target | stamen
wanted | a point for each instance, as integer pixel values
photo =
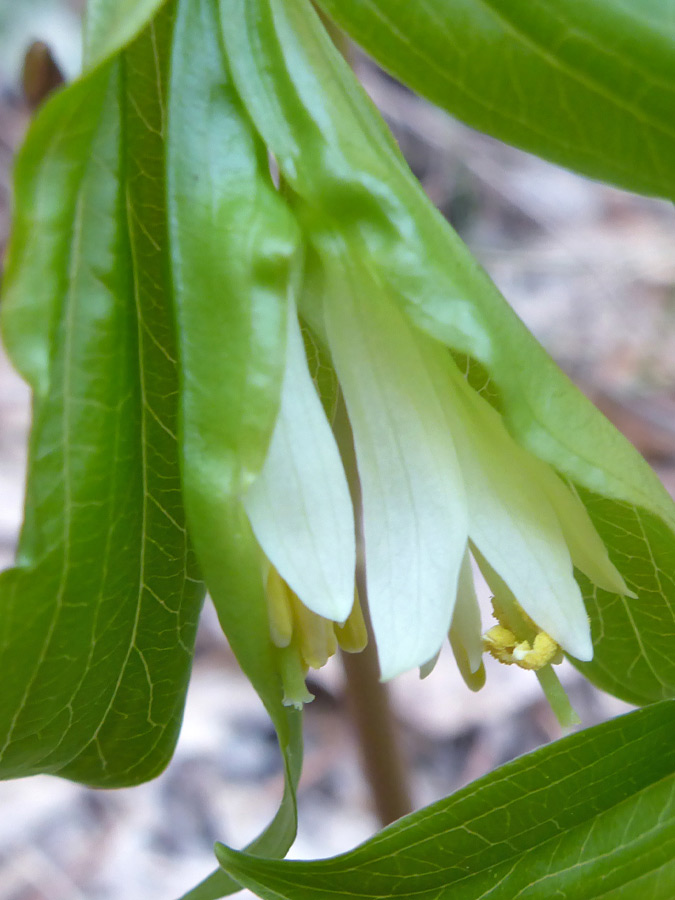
(539, 654)
(278, 609)
(305, 639)
(314, 635)
(352, 636)
(500, 642)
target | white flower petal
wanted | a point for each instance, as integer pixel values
(466, 629)
(299, 507)
(512, 522)
(429, 665)
(414, 511)
(587, 550)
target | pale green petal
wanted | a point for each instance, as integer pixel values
(299, 507)
(511, 521)
(429, 666)
(466, 628)
(510, 612)
(414, 511)
(587, 550)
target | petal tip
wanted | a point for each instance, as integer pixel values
(396, 661)
(580, 648)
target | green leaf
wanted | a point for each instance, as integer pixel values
(588, 85)
(591, 816)
(234, 262)
(110, 25)
(634, 637)
(357, 199)
(99, 616)
(48, 174)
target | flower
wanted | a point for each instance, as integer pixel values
(301, 513)
(441, 478)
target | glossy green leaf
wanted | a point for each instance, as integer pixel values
(234, 262)
(109, 25)
(99, 616)
(353, 190)
(589, 85)
(48, 174)
(591, 816)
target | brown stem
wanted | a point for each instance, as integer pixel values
(377, 735)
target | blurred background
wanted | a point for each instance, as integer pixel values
(591, 270)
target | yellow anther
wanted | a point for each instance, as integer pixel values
(278, 609)
(293, 625)
(543, 652)
(313, 634)
(505, 646)
(352, 636)
(500, 642)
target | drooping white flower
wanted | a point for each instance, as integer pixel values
(299, 507)
(301, 513)
(440, 477)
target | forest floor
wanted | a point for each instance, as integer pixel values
(591, 271)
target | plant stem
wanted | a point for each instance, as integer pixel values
(377, 734)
